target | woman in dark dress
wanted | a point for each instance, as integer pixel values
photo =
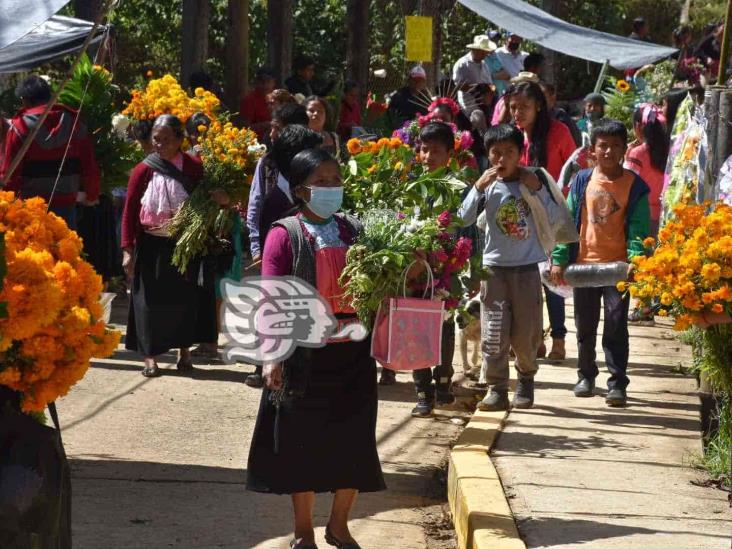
(165, 312)
(321, 437)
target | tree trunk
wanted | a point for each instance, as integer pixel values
(685, 9)
(194, 46)
(551, 66)
(279, 37)
(237, 53)
(87, 9)
(433, 9)
(357, 48)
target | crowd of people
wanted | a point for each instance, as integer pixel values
(324, 424)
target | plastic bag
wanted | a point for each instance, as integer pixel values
(562, 290)
(564, 228)
(162, 199)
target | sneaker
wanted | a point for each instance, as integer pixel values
(616, 398)
(425, 404)
(443, 395)
(639, 317)
(584, 388)
(494, 401)
(388, 377)
(254, 380)
(524, 396)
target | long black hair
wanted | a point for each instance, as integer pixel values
(673, 102)
(538, 145)
(303, 165)
(656, 137)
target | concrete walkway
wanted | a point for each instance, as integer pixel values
(576, 472)
(161, 463)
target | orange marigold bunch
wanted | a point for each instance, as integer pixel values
(54, 320)
(166, 96)
(690, 270)
(356, 146)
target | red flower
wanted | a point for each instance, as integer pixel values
(447, 102)
(444, 219)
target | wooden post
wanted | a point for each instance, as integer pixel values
(711, 110)
(194, 45)
(237, 53)
(357, 47)
(551, 65)
(724, 54)
(433, 9)
(280, 29)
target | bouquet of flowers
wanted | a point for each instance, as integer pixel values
(166, 96)
(621, 99)
(91, 90)
(409, 134)
(389, 243)
(690, 270)
(229, 156)
(52, 325)
(387, 174)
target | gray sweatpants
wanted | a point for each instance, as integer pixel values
(511, 316)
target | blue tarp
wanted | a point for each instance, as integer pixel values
(555, 34)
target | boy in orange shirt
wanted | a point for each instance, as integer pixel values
(611, 211)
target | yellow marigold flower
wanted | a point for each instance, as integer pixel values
(622, 86)
(662, 312)
(622, 286)
(667, 299)
(353, 146)
(711, 272)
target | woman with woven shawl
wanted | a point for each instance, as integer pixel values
(165, 309)
(316, 429)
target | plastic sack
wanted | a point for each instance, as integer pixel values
(106, 302)
(564, 228)
(596, 275)
(562, 290)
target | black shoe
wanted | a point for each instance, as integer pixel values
(388, 377)
(524, 395)
(425, 404)
(254, 380)
(295, 544)
(335, 542)
(494, 401)
(585, 388)
(443, 395)
(616, 398)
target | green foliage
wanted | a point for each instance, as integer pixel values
(621, 99)
(716, 457)
(90, 89)
(3, 272)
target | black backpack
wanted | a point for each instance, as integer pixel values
(35, 480)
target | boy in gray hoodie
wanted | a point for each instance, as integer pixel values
(511, 312)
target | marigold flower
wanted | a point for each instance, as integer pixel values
(649, 242)
(717, 308)
(354, 146)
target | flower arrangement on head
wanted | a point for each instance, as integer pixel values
(53, 323)
(690, 268)
(166, 96)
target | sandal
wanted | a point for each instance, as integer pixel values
(295, 544)
(151, 371)
(335, 542)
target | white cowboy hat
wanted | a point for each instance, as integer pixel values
(525, 76)
(482, 42)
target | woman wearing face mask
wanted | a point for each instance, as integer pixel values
(318, 110)
(164, 309)
(550, 145)
(321, 437)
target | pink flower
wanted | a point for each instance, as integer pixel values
(400, 216)
(463, 249)
(451, 303)
(444, 219)
(440, 256)
(443, 236)
(466, 140)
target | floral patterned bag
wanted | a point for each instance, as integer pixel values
(407, 333)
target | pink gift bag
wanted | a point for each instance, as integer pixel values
(407, 333)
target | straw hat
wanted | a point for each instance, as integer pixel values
(482, 42)
(525, 76)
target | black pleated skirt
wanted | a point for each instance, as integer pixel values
(167, 309)
(327, 437)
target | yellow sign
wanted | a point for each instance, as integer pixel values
(419, 38)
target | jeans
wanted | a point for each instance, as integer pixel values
(442, 374)
(555, 307)
(614, 337)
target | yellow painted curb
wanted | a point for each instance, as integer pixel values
(480, 512)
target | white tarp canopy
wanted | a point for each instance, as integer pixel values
(19, 17)
(555, 34)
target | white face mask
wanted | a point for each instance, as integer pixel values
(325, 201)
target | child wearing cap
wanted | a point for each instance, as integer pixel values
(594, 111)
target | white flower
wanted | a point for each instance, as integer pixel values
(380, 73)
(257, 149)
(120, 123)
